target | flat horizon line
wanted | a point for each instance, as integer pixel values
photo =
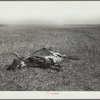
(50, 24)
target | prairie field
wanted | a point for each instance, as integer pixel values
(73, 40)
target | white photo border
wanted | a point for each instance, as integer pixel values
(49, 94)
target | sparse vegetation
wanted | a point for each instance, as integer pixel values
(81, 41)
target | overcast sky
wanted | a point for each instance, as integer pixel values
(50, 12)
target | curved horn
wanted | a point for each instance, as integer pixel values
(15, 53)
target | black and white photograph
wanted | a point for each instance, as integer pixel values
(50, 46)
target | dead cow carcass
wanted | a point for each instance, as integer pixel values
(42, 58)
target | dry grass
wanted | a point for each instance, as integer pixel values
(82, 41)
